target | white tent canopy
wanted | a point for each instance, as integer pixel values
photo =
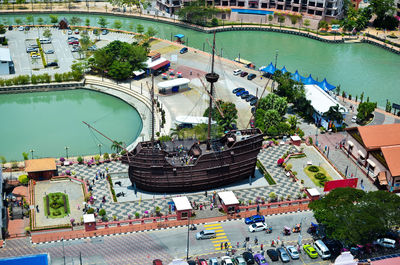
(228, 197)
(320, 100)
(182, 203)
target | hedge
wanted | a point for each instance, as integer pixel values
(267, 176)
(313, 169)
(41, 52)
(112, 188)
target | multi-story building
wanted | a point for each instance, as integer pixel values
(326, 9)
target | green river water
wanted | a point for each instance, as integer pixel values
(56, 117)
(47, 122)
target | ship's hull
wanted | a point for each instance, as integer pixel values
(150, 171)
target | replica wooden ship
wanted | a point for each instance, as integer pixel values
(191, 165)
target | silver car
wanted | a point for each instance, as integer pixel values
(239, 261)
(292, 251)
(283, 254)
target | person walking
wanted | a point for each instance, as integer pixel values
(262, 247)
(226, 245)
(255, 241)
(222, 246)
(258, 208)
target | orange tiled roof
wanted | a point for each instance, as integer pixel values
(43, 164)
(392, 157)
(376, 136)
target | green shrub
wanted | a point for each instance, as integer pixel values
(90, 211)
(23, 179)
(79, 159)
(106, 156)
(58, 77)
(320, 176)
(322, 182)
(313, 168)
(102, 212)
(289, 167)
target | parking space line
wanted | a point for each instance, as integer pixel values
(213, 228)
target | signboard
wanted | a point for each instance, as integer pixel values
(335, 27)
(341, 183)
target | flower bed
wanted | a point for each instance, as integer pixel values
(318, 175)
(56, 205)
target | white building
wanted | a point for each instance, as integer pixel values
(6, 64)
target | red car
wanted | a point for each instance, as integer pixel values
(202, 262)
(73, 42)
(157, 262)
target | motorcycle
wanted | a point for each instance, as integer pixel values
(268, 230)
(193, 228)
(286, 231)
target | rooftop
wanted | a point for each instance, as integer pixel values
(376, 136)
(320, 100)
(88, 218)
(392, 158)
(5, 55)
(182, 203)
(43, 164)
(228, 197)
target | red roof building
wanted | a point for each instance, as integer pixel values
(377, 149)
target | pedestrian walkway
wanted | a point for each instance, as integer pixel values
(221, 241)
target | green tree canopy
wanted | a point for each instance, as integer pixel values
(120, 70)
(53, 19)
(267, 118)
(334, 114)
(355, 216)
(381, 8)
(102, 22)
(230, 114)
(197, 12)
(273, 101)
(365, 110)
(287, 87)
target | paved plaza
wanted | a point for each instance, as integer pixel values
(143, 202)
(75, 197)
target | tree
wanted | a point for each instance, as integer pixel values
(87, 22)
(270, 18)
(293, 121)
(230, 114)
(40, 21)
(102, 22)
(267, 118)
(120, 70)
(323, 24)
(131, 26)
(356, 217)
(293, 19)
(25, 155)
(85, 41)
(23, 179)
(273, 101)
(53, 19)
(288, 88)
(381, 8)
(75, 21)
(117, 146)
(365, 110)
(139, 28)
(197, 12)
(47, 33)
(306, 23)
(29, 20)
(18, 21)
(117, 24)
(281, 20)
(2, 29)
(334, 113)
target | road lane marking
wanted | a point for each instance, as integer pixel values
(212, 225)
(213, 228)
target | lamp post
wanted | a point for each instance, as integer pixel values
(276, 61)
(62, 239)
(187, 246)
(32, 152)
(66, 151)
(316, 137)
(99, 149)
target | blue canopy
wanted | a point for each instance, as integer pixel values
(180, 36)
(269, 69)
(296, 76)
(308, 81)
(325, 85)
(284, 70)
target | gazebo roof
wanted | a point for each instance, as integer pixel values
(228, 197)
(43, 164)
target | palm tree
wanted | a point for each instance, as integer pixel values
(117, 146)
(293, 121)
(177, 131)
(334, 114)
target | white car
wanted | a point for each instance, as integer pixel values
(237, 72)
(21, 28)
(225, 260)
(294, 254)
(36, 56)
(69, 32)
(354, 119)
(257, 227)
(386, 242)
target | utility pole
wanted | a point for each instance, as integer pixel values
(32, 152)
(187, 246)
(276, 61)
(99, 145)
(66, 151)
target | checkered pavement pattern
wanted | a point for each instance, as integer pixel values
(121, 210)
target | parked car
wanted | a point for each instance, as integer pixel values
(260, 260)
(69, 32)
(253, 102)
(213, 261)
(244, 94)
(292, 251)
(334, 246)
(76, 31)
(104, 32)
(354, 119)
(34, 53)
(322, 249)
(33, 46)
(311, 252)
(95, 31)
(183, 50)
(251, 76)
(27, 28)
(76, 49)
(237, 72)
(52, 64)
(243, 74)
(239, 261)
(254, 219)
(10, 28)
(30, 49)
(283, 254)
(36, 56)
(21, 28)
(225, 260)
(272, 254)
(386, 242)
(238, 94)
(206, 234)
(202, 262)
(49, 52)
(157, 262)
(248, 257)
(45, 41)
(250, 98)
(253, 109)
(72, 38)
(257, 227)
(191, 262)
(73, 42)
(237, 90)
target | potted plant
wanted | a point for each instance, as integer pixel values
(273, 196)
(113, 156)
(97, 159)
(68, 172)
(106, 157)
(62, 160)
(80, 160)
(137, 215)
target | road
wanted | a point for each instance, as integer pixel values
(142, 248)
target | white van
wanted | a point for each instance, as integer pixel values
(322, 249)
(45, 41)
(386, 242)
(206, 234)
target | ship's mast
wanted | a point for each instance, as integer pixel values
(211, 78)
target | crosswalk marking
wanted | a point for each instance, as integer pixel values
(209, 225)
(219, 241)
(219, 245)
(222, 230)
(220, 237)
(221, 234)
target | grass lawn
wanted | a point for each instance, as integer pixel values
(312, 174)
(56, 205)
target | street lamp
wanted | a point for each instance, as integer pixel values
(187, 246)
(99, 145)
(66, 151)
(32, 152)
